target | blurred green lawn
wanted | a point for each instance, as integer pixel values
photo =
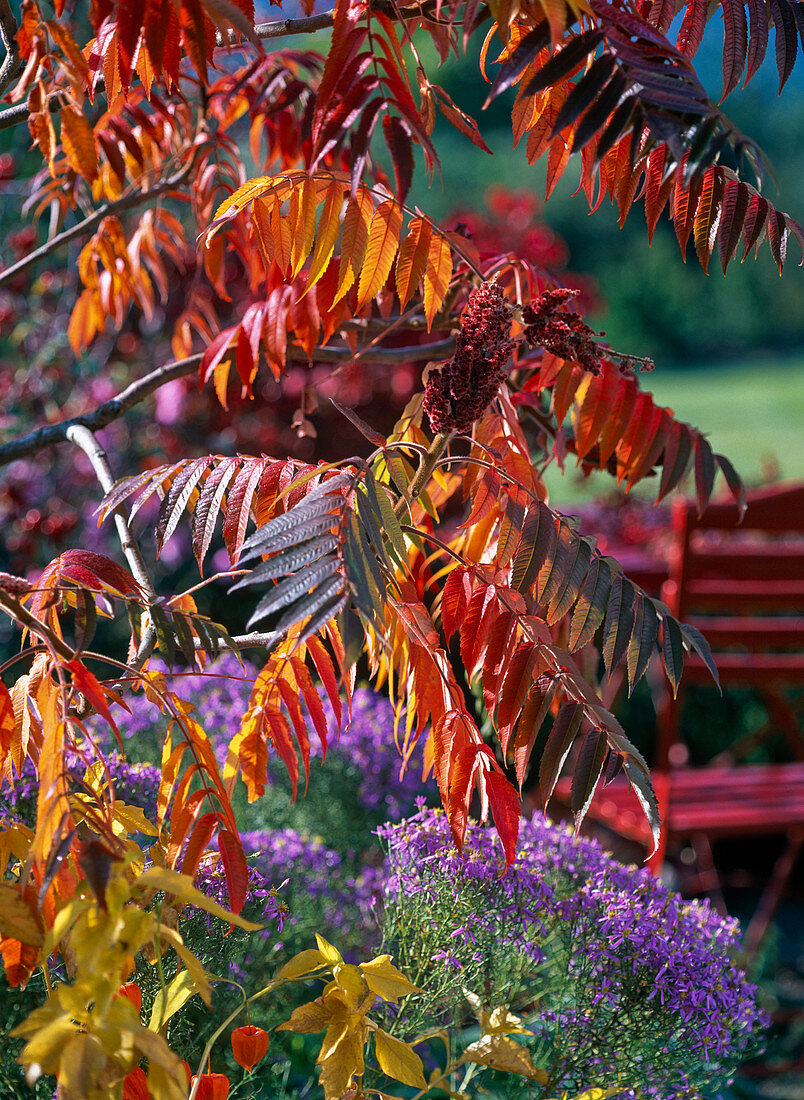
(752, 412)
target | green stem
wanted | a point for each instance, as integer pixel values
(422, 476)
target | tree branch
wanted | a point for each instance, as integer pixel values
(279, 28)
(110, 410)
(83, 438)
(12, 62)
(20, 613)
(128, 202)
(103, 415)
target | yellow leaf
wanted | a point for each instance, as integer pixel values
(350, 980)
(398, 1060)
(47, 1040)
(170, 999)
(383, 241)
(198, 974)
(331, 955)
(308, 1018)
(160, 878)
(17, 919)
(166, 1077)
(133, 819)
(500, 1021)
(598, 1094)
(437, 275)
(499, 1052)
(250, 190)
(78, 142)
(220, 380)
(82, 1061)
(345, 1060)
(64, 920)
(166, 1084)
(412, 259)
(304, 963)
(385, 980)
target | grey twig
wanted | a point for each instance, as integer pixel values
(12, 62)
(84, 438)
(127, 202)
(103, 415)
(110, 410)
(281, 27)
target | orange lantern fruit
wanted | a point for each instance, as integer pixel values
(249, 1045)
(132, 992)
(135, 1086)
(211, 1086)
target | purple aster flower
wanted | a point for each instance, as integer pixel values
(631, 984)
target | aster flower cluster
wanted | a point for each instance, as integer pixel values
(550, 326)
(459, 392)
(134, 784)
(321, 891)
(622, 983)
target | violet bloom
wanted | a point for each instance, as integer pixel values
(622, 982)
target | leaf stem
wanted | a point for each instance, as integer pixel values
(426, 467)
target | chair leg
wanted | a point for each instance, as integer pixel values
(661, 786)
(785, 719)
(668, 725)
(707, 879)
(772, 894)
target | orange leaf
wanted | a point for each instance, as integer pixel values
(383, 241)
(88, 684)
(302, 223)
(505, 810)
(329, 224)
(437, 275)
(280, 232)
(412, 259)
(19, 961)
(354, 239)
(196, 845)
(235, 867)
(7, 724)
(40, 123)
(78, 142)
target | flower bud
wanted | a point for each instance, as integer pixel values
(135, 1085)
(211, 1086)
(132, 992)
(249, 1045)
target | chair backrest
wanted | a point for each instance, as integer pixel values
(742, 585)
(719, 563)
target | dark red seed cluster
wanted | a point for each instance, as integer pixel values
(548, 324)
(459, 392)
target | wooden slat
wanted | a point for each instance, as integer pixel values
(756, 595)
(751, 669)
(741, 563)
(752, 633)
(780, 508)
(745, 800)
